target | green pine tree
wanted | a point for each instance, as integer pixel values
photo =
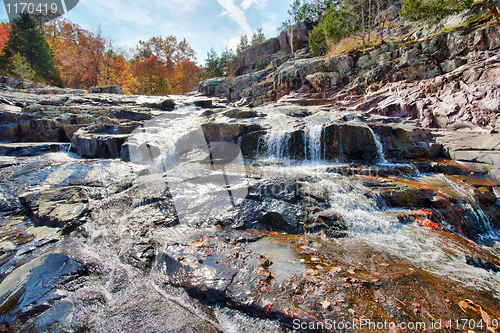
(213, 64)
(243, 44)
(258, 37)
(26, 40)
(21, 69)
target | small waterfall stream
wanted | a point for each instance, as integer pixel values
(380, 148)
(312, 142)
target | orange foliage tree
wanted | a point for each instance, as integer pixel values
(4, 35)
(161, 66)
(164, 66)
(79, 53)
(116, 71)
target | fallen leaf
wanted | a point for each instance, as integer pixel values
(487, 318)
(325, 304)
(427, 223)
(268, 310)
(385, 265)
(468, 304)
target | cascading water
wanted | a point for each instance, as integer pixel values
(276, 140)
(380, 148)
(312, 141)
(65, 147)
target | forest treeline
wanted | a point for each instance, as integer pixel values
(62, 53)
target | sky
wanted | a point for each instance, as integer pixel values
(203, 23)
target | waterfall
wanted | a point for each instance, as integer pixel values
(276, 140)
(486, 233)
(380, 149)
(65, 147)
(277, 143)
(312, 142)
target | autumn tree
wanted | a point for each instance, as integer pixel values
(26, 40)
(4, 35)
(117, 72)
(188, 75)
(79, 53)
(164, 66)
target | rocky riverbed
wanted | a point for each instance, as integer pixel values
(187, 214)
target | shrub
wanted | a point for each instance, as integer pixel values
(317, 40)
(333, 27)
(338, 25)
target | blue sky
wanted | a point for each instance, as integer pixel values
(203, 23)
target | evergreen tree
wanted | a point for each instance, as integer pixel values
(309, 12)
(21, 69)
(26, 40)
(242, 45)
(229, 62)
(258, 37)
(213, 64)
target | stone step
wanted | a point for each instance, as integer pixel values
(478, 156)
(470, 141)
(28, 148)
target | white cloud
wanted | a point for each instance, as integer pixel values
(179, 5)
(233, 43)
(258, 3)
(269, 29)
(236, 14)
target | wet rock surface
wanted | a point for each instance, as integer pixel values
(34, 286)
